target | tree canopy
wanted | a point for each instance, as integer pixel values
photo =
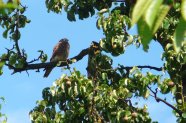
(106, 93)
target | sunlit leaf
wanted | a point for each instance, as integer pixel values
(151, 12)
(147, 93)
(145, 33)
(2, 63)
(103, 11)
(163, 10)
(73, 60)
(183, 9)
(184, 115)
(81, 110)
(173, 90)
(139, 9)
(127, 113)
(118, 115)
(8, 5)
(104, 76)
(180, 34)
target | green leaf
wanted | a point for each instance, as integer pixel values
(71, 15)
(81, 110)
(118, 115)
(4, 56)
(8, 5)
(151, 12)
(78, 74)
(21, 63)
(104, 76)
(99, 22)
(129, 95)
(163, 10)
(16, 36)
(180, 101)
(184, 115)
(180, 34)
(173, 90)
(139, 9)
(166, 23)
(145, 33)
(168, 46)
(5, 33)
(127, 113)
(183, 9)
(164, 89)
(12, 59)
(103, 11)
(2, 63)
(42, 103)
(147, 93)
(133, 70)
(44, 58)
(1, 71)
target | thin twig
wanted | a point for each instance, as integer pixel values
(41, 53)
(161, 100)
(128, 68)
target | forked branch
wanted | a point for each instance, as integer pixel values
(164, 101)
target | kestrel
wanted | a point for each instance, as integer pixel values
(60, 53)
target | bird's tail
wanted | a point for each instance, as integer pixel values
(47, 72)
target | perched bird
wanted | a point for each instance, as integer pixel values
(60, 53)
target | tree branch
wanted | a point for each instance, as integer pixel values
(37, 66)
(164, 101)
(50, 64)
(145, 66)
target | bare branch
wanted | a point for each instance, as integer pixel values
(143, 67)
(128, 68)
(34, 60)
(164, 101)
(79, 56)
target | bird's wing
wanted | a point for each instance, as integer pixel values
(55, 51)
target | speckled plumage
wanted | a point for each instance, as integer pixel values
(60, 53)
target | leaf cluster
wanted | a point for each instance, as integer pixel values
(82, 8)
(75, 98)
(106, 95)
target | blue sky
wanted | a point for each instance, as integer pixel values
(45, 30)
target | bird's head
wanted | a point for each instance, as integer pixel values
(64, 40)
